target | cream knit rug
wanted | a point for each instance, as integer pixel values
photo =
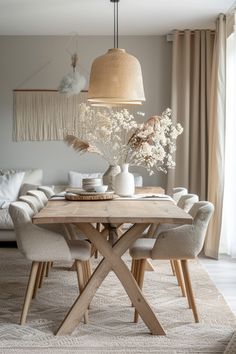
(110, 329)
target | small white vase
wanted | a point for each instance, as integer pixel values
(124, 182)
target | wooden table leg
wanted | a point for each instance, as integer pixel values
(112, 261)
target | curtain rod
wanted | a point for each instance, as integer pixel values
(192, 31)
(169, 36)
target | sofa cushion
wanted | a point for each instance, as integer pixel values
(32, 178)
(10, 186)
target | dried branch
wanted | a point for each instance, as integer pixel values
(80, 145)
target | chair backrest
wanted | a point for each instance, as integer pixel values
(36, 243)
(178, 192)
(48, 191)
(40, 195)
(186, 241)
(21, 213)
(186, 201)
(32, 201)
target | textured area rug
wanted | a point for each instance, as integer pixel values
(110, 328)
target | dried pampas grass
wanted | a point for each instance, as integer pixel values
(80, 145)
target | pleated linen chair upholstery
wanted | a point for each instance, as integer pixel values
(185, 202)
(32, 201)
(40, 245)
(180, 243)
(39, 195)
(178, 192)
(48, 191)
(69, 231)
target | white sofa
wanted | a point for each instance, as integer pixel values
(32, 180)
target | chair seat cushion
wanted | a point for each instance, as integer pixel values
(80, 250)
(142, 248)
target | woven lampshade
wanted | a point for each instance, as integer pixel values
(116, 78)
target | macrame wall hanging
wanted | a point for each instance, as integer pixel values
(44, 114)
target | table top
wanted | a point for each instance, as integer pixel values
(112, 211)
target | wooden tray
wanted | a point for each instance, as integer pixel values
(89, 196)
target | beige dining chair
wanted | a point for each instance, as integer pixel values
(48, 191)
(40, 245)
(185, 202)
(67, 231)
(34, 203)
(178, 192)
(180, 243)
(40, 195)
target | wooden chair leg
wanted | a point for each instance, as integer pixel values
(179, 276)
(89, 270)
(48, 267)
(43, 273)
(37, 281)
(141, 271)
(29, 291)
(149, 266)
(189, 289)
(81, 283)
(172, 266)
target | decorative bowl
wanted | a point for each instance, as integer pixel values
(100, 189)
(88, 184)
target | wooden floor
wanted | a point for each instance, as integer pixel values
(223, 274)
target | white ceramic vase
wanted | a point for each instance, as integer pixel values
(124, 182)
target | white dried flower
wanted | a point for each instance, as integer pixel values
(119, 138)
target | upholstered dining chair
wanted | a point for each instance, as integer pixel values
(40, 245)
(34, 203)
(185, 202)
(181, 243)
(178, 192)
(48, 191)
(40, 195)
(69, 231)
(64, 230)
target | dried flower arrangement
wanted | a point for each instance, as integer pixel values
(118, 138)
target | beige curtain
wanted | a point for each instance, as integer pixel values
(216, 138)
(198, 103)
(191, 81)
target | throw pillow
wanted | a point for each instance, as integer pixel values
(75, 178)
(10, 186)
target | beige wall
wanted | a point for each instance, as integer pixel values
(39, 62)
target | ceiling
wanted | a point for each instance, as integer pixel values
(95, 17)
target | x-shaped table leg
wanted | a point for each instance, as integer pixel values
(112, 261)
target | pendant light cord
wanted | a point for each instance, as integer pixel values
(116, 26)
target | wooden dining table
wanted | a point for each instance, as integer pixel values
(84, 214)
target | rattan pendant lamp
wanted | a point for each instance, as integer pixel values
(116, 77)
